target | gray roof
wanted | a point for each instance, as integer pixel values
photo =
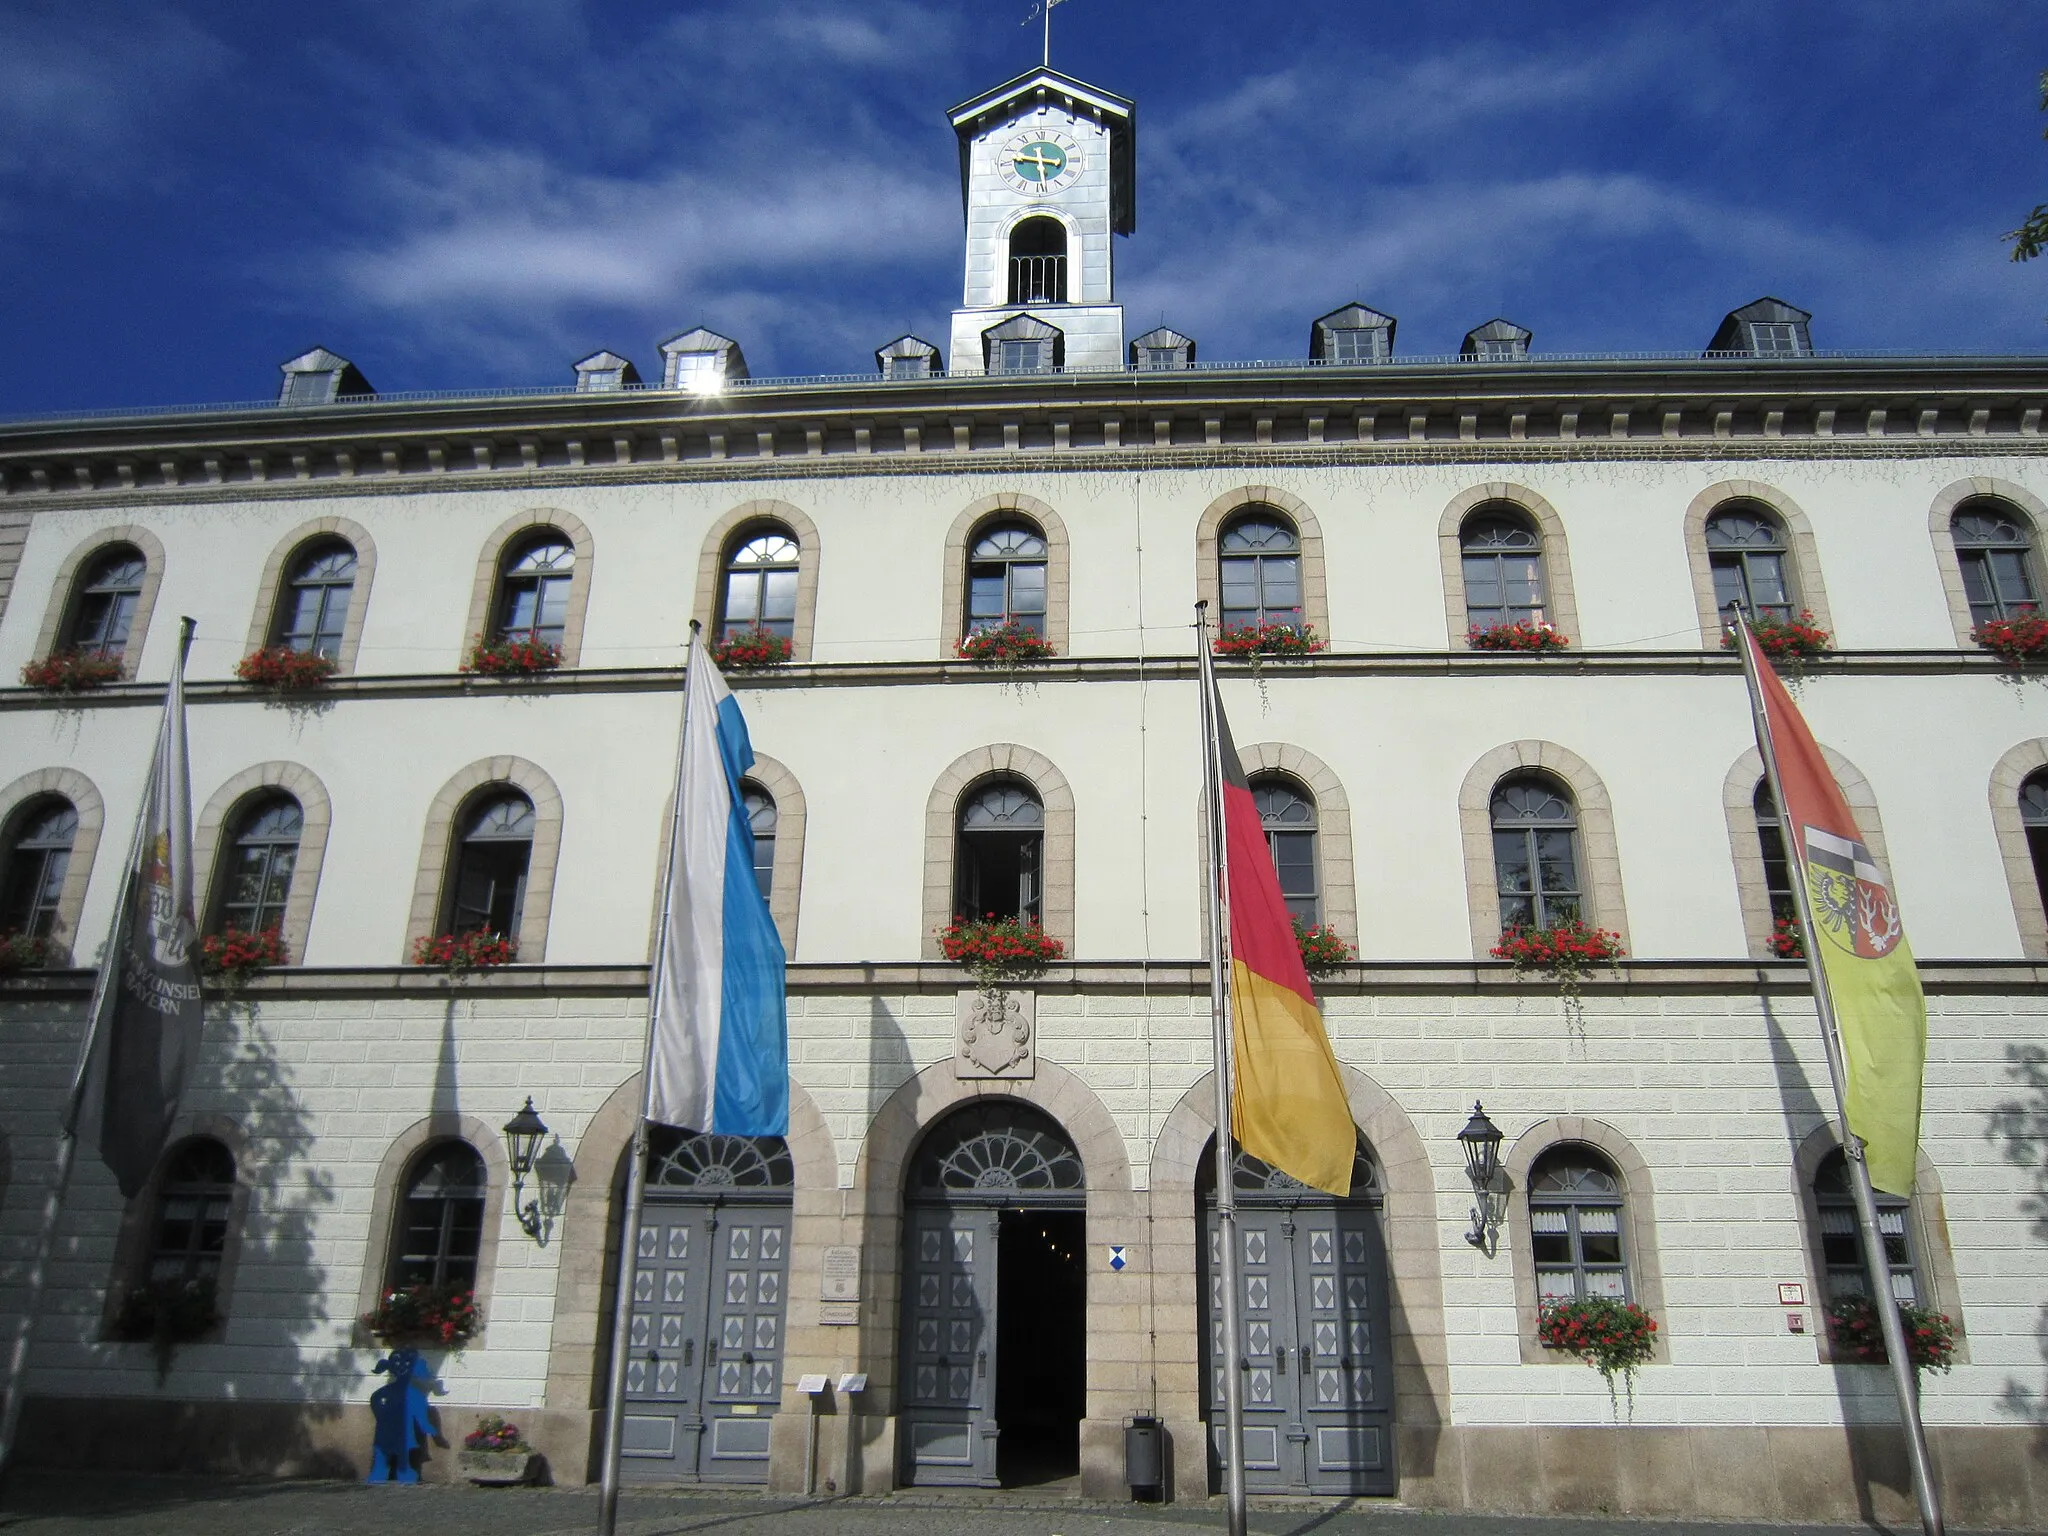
(1022, 328)
(1734, 337)
(907, 346)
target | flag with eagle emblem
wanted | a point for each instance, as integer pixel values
(1880, 1012)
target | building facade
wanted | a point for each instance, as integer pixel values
(996, 1211)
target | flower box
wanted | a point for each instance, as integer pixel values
(999, 949)
(511, 658)
(1004, 645)
(496, 1469)
(1323, 950)
(424, 1317)
(459, 952)
(1857, 1334)
(1522, 635)
(72, 672)
(1613, 1336)
(23, 952)
(752, 649)
(2017, 640)
(1797, 639)
(165, 1314)
(1252, 642)
(1563, 950)
(284, 670)
(234, 954)
(1788, 942)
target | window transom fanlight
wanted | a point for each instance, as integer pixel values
(999, 1152)
(760, 585)
(678, 1160)
(1002, 808)
(507, 819)
(1256, 1179)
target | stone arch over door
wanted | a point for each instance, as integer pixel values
(711, 566)
(1941, 531)
(1738, 803)
(941, 829)
(490, 568)
(1600, 881)
(321, 530)
(1315, 590)
(1558, 593)
(1422, 1385)
(1802, 554)
(1002, 507)
(76, 788)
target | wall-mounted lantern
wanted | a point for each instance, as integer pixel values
(524, 1133)
(1481, 1140)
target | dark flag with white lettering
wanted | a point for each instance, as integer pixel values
(146, 1009)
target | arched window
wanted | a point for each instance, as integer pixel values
(1746, 551)
(1575, 1224)
(760, 585)
(1503, 557)
(1006, 579)
(1260, 560)
(1038, 262)
(191, 1231)
(1841, 1239)
(761, 820)
(2033, 818)
(533, 592)
(33, 864)
(1996, 553)
(1288, 814)
(1535, 852)
(491, 857)
(1000, 852)
(104, 609)
(312, 612)
(255, 879)
(1770, 836)
(441, 1224)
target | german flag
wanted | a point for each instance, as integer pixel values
(1288, 1104)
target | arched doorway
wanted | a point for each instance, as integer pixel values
(704, 1374)
(1317, 1362)
(995, 1300)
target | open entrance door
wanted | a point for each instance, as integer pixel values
(1042, 1340)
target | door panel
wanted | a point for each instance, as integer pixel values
(664, 1415)
(948, 1347)
(749, 1271)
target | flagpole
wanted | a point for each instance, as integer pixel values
(1219, 1014)
(1876, 1263)
(67, 1135)
(636, 1174)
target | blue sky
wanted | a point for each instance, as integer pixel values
(457, 194)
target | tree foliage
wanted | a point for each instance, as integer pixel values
(2031, 238)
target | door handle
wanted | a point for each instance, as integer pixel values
(1280, 1361)
(981, 1363)
(689, 1350)
(653, 1356)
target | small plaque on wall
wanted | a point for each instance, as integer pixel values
(839, 1274)
(839, 1314)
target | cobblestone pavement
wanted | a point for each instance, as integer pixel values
(45, 1504)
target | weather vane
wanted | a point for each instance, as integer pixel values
(1044, 8)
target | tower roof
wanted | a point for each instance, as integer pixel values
(1048, 87)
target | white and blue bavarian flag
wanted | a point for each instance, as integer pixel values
(720, 1052)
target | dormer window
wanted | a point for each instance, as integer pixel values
(1038, 261)
(1023, 344)
(320, 377)
(1768, 328)
(908, 357)
(602, 372)
(1497, 341)
(1351, 335)
(702, 362)
(1356, 344)
(1774, 339)
(1162, 349)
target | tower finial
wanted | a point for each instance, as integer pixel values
(1043, 9)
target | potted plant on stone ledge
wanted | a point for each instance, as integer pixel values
(496, 1454)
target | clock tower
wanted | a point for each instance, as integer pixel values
(1047, 177)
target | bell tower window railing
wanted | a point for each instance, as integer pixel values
(1038, 280)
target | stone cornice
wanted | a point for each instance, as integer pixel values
(1392, 413)
(1072, 669)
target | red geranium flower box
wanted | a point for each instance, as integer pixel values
(235, 954)
(2017, 640)
(284, 670)
(1521, 635)
(512, 658)
(1786, 639)
(997, 949)
(72, 672)
(459, 952)
(1004, 645)
(1249, 641)
(751, 649)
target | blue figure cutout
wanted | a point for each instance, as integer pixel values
(404, 1422)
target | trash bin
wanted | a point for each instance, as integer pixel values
(1145, 1457)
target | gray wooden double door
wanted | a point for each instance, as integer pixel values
(704, 1372)
(1316, 1361)
(949, 1355)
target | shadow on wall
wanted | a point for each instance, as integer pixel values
(873, 1459)
(271, 1399)
(2022, 1125)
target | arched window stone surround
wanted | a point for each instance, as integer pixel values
(85, 799)
(1601, 877)
(1333, 827)
(786, 898)
(711, 566)
(1934, 1260)
(1559, 597)
(442, 1125)
(1413, 1235)
(136, 1235)
(1940, 516)
(303, 785)
(579, 1343)
(1638, 1196)
(941, 817)
(999, 508)
(1802, 555)
(264, 622)
(437, 850)
(65, 588)
(2013, 769)
(490, 566)
(1315, 591)
(1738, 802)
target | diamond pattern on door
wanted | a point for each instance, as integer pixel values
(1321, 1245)
(948, 1333)
(1255, 1247)
(678, 1243)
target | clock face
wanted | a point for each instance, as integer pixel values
(1039, 161)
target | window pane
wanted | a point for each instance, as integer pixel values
(742, 598)
(1027, 587)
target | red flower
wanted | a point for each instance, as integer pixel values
(511, 658)
(283, 669)
(1247, 641)
(72, 672)
(751, 649)
(1004, 645)
(1521, 635)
